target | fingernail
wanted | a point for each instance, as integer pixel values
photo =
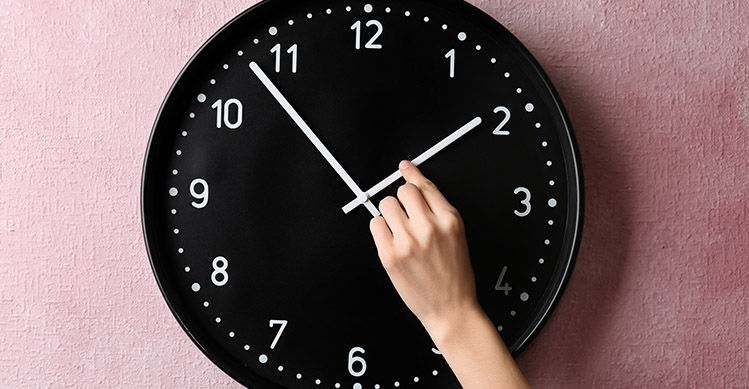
(405, 165)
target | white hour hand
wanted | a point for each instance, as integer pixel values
(416, 161)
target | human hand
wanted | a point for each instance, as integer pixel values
(421, 242)
(422, 245)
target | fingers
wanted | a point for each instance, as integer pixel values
(394, 216)
(433, 197)
(413, 201)
(381, 233)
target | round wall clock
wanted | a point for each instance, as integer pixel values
(280, 137)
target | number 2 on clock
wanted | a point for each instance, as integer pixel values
(500, 128)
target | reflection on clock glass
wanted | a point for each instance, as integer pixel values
(279, 139)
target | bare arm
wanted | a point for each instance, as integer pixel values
(422, 245)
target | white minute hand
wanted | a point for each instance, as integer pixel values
(416, 161)
(313, 138)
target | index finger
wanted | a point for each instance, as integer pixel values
(434, 198)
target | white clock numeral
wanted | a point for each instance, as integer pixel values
(498, 130)
(356, 359)
(526, 202)
(277, 49)
(201, 196)
(224, 111)
(451, 54)
(293, 50)
(371, 43)
(219, 276)
(283, 324)
(434, 350)
(503, 288)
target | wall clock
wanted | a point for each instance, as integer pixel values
(279, 138)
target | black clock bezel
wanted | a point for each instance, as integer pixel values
(175, 98)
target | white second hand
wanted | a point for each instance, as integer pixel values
(389, 180)
(312, 137)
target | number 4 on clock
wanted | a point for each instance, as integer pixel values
(506, 288)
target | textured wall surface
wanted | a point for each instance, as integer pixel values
(659, 95)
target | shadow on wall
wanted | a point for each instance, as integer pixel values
(571, 340)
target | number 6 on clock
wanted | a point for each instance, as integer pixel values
(354, 359)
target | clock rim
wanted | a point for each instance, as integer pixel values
(247, 376)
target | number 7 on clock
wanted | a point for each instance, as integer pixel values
(283, 324)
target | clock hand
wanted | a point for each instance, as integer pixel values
(361, 196)
(416, 161)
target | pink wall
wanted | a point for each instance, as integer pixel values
(658, 92)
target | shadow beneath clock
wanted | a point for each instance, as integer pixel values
(573, 338)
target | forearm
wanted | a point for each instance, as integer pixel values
(476, 353)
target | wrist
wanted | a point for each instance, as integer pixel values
(453, 327)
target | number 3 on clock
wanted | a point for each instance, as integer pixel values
(525, 202)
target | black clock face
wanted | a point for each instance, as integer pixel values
(297, 110)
